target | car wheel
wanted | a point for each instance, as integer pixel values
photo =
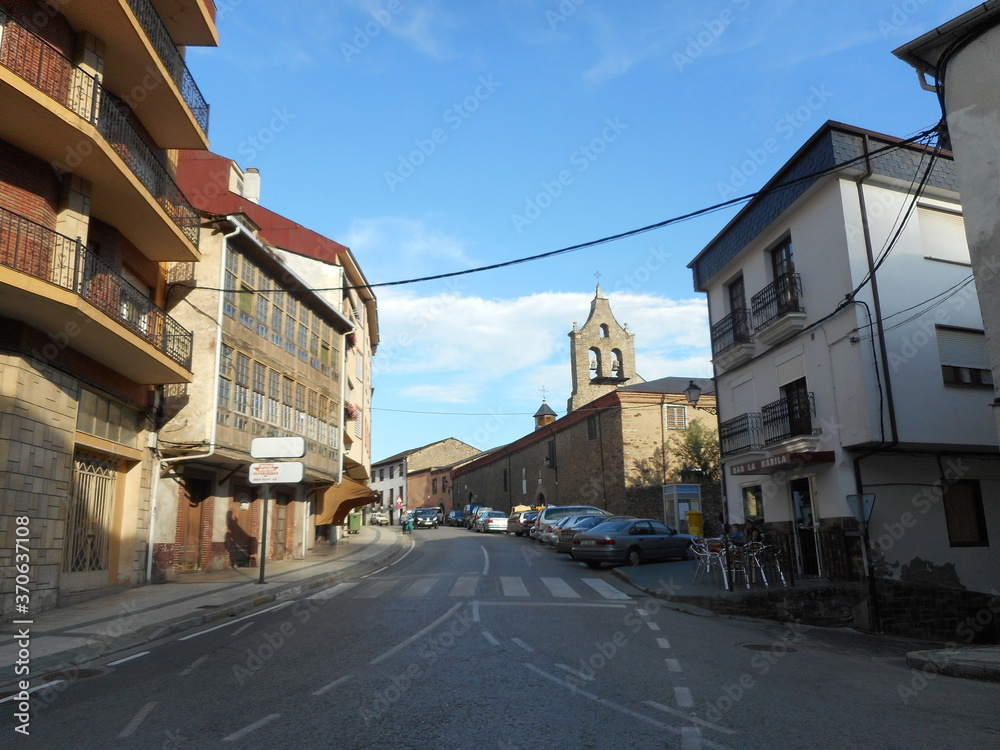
(593, 564)
(634, 557)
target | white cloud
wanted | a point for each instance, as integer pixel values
(392, 248)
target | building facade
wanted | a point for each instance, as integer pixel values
(852, 373)
(421, 477)
(96, 99)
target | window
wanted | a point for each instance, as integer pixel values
(381, 475)
(964, 358)
(107, 419)
(241, 369)
(675, 417)
(943, 235)
(782, 261)
(225, 393)
(753, 502)
(230, 295)
(505, 480)
(89, 515)
(226, 360)
(963, 511)
(737, 295)
(434, 486)
(246, 306)
(392, 472)
(591, 428)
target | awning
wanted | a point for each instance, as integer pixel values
(336, 502)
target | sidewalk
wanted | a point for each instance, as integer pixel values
(70, 636)
(818, 603)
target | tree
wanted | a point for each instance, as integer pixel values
(696, 450)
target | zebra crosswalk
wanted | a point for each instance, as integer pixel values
(513, 588)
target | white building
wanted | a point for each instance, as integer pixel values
(851, 361)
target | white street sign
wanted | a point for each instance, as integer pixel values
(282, 472)
(278, 447)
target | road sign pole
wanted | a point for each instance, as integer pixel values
(263, 533)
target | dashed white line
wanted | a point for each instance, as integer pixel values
(663, 643)
(690, 738)
(486, 565)
(240, 630)
(140, 717)
(673, 665)
(33, 690)
(333, 590)
(652, 625)
(233, 622)
(415, 636)
(575, 673)
(559, 588)
(489, 636)
(522, 644)
(688, 717)
(513, 586)
(605, 589)
(194, 665)
(475, 611)
(335, 683)
(252, 728)
(683, 697)
(127, 658)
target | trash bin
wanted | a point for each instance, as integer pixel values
(353, 522)
(694, 519)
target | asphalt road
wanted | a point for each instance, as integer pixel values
(490, 641)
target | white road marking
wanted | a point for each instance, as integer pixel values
(420, 587)
(560, 589)
(663, 643)
(34, 690)
(513, 586)
(237, 632)
(689, 717)
(690, 738)
(333, 590)
(127, 658)
(465, 586)
(376, 589)
(394, 562)
(233, 622)
(384, 567)
(140, 717)
(486, 556)
(332, 685)
(522, 644)
(642, 613)
(252, 728)
(673, 665)
(581, 675)
(652, 625)
(412, 638)
(683, 697)
(475, 611)
(565, 684)
(605, 589)
(194, 665)
(489, 636)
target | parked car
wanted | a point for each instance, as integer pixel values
(455, 518)
(548, 516)
(470, 513)
(426, 518)
(475, 517)
(567, 533)
(491, 520)
(632, 542)
(379, 518)
(525, 522)
(550, 537)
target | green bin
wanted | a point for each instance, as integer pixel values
(353, 522)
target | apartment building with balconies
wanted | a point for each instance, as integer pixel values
(852, 373)
(95, 99)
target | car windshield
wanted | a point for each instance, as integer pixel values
(588, 523)
(426, 512)
(494, 514)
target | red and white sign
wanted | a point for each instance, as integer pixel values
(282, 472)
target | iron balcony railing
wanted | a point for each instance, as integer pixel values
(788, 417)
(36, 250)
(731, 330)
(47, 69)
(740, 434)
(780, 297)
(172, 59)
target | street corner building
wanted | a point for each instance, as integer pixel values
(854, 383)
(284, 329)
(613, 450)
(96, 102)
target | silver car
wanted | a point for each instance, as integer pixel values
(548, 516)
(491, 520)
(567, 533)
(632, 542)
(552, 537)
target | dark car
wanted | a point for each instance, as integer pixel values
(525, 521)
(632, 542)
(455, 518)
(566, 534)
(426, 518)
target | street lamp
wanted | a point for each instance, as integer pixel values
(693, 393)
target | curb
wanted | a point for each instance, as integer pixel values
(52, 667)
(962, 664)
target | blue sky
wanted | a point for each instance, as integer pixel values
(433, 136)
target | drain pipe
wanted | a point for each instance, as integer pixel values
(163, 463)
(873, 609)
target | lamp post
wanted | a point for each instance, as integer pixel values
(693, 393)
